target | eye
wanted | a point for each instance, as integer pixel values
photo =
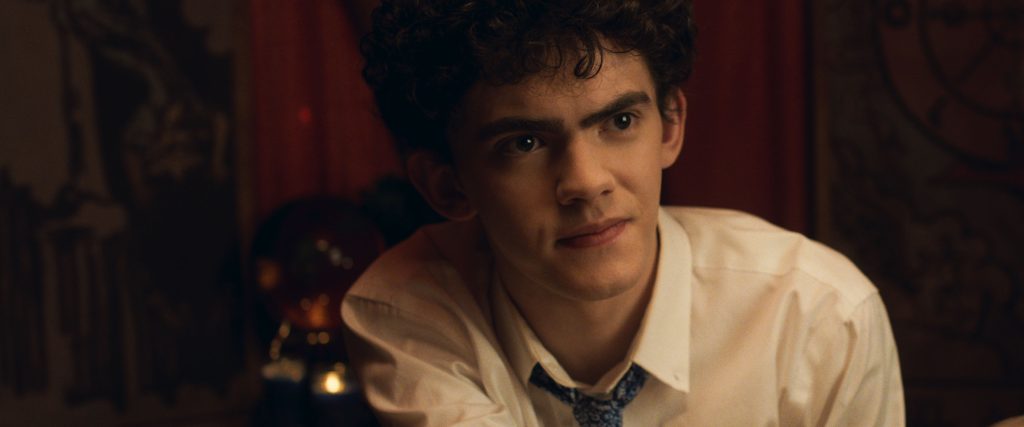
(521, 145)
(526, 143)
(622, 121)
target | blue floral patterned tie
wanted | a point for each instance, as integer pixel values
(591, 412)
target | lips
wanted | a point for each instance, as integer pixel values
(594, 234)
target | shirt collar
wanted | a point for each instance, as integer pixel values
(522, 346)
(662, 345)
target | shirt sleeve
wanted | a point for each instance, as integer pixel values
(422, 371)
(871, 389)
(852, 375)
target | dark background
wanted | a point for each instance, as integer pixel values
(141, 142)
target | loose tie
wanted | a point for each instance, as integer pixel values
(589, 411)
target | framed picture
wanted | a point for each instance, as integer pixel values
(920, 180)
(120, 213)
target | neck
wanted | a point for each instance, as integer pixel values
(609, 326)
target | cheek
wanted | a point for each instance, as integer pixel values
(514, 223)
(506, 198)
(639, 167)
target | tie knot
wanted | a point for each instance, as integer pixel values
(589, 411)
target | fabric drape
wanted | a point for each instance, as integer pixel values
(315, 128)
(747, 139)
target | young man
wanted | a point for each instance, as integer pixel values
(561, 293)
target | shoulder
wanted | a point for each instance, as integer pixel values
(438, 269)
(420, 340)
(410, 265)
(729, 240)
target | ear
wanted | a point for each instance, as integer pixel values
(439, 185)
(673, 127)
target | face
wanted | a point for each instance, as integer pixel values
(564, 175)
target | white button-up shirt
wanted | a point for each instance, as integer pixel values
(748, 325)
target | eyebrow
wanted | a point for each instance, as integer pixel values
(623, 102)
(518, 124)
(523, 124)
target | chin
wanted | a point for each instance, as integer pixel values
(597, 285)
(606, 274)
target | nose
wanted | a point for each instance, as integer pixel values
(583, 173)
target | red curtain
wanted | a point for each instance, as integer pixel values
(747, 133)
(747, 139)
(315, 129)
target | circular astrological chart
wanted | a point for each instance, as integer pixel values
(957, 66)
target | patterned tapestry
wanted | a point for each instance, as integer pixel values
(120, 291)
(921, 182)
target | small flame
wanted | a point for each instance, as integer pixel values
(333, 383)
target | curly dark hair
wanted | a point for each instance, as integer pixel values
(422, 56)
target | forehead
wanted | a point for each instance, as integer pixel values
(555, 94)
